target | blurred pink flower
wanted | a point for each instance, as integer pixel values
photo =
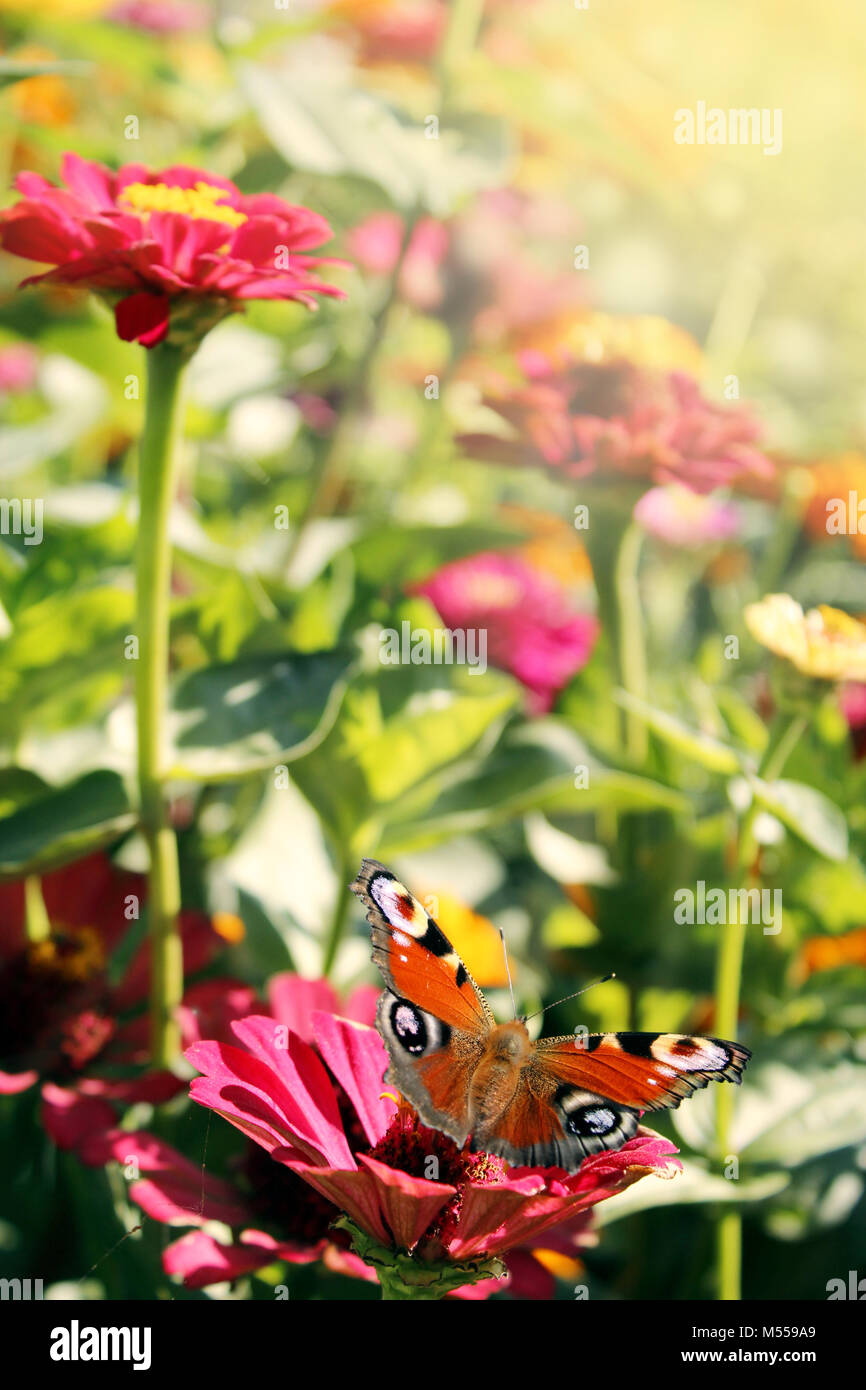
(161, 16)
(680, 517)
(18, 367)
(402, 31)
(616, 418)
(375, 244)
(532, 629)
(852, 701)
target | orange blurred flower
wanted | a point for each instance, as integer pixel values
(475, 939)
(552, 547)
(834, 480)
(830, 953)
(645, 340)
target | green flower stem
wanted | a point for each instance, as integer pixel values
(156, 485)
(464, 24)
(36, 923)
(331, 475)
(729, 971)
(614, 543)
(631, 646)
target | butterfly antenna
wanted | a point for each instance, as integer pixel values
(604, 979)
(508, 971)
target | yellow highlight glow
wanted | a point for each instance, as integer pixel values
(229, 926)
(560, 1265)
(199, 202)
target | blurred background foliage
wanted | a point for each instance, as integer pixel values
(555, 131)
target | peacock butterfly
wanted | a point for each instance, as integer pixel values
(548, 1103)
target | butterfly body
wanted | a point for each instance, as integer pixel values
(494, 1083)
(548, 1102)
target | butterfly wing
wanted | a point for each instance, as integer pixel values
(648, 1071)
(582, 1097)
(551, 1125)
(433, 1018)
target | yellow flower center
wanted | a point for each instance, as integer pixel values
(74, 953)
(203, 201)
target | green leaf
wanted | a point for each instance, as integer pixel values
(534, 768)
(323, 122)
(565, 858)
(432, 728)
(787, 1112)
(398, 727)
(248, 715)
(18, 785)
(17, 69)
(64, 824)
(809, 813)
(697, 747)
(399, 555)
(694, 1184)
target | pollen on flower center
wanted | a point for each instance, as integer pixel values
(53, 1002)
(199, 202)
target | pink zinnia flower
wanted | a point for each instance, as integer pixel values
(375, 244)
(170, 1189)
(161, 16)
(174, 249)
(532, 629)
(394, 30)
(615, 418)
(320, 1113)
(63, 1022)
(686, 519)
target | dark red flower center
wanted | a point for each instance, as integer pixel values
(411, 1147)
(53, 1004)
(283, 1201)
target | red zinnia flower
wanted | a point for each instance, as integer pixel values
(63, 1021)
(175, 248)
(594, 418)
(408, 1192)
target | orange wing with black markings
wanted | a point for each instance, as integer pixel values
(415, 957)
(649, 1071)
(433, 1018)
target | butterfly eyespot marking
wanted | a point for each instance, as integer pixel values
(408, 1024)
(413, 1030)
(591, 1120)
